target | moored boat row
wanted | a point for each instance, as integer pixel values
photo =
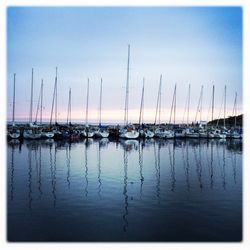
(197, 129)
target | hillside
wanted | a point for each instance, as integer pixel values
(229, 121)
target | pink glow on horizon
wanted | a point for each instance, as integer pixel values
(117, 116)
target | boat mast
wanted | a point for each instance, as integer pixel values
(213, 104)
(56, 97)
(127, 90)
(158, 101)
(14, 99)
(225, 99)
(69, 109)
(31, 98)
(39, 104)
(87, 106)
(41, 107)
(142, 103)
(189, 87)
(53, 100)
(173, 106)
(100, 107)
(199, 105)
(235, 109)
(175, 102)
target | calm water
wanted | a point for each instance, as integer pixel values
(98, 190)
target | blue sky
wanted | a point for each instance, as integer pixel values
(185, 45)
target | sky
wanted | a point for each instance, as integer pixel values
(187, 45)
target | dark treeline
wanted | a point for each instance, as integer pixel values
(229, 121)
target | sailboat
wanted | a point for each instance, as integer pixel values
(87, 132)
(179, 132)
(144, 131)
(234, 134)
(68, 132)
(169, 134)
(14, 133)
(102, 131)
(190, 131)
(201, 130)
(159, 132)
(46, 132)
(210, 133)
(225, 131)
(55, 129)
(217, 132)
(33, 132)
(128, 131)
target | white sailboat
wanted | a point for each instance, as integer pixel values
(46, 133)
(202, 131)
(144, 131)
(14, 132)
(216, 131)
(190, 132)
(159, 131)
(33, 132)
(87, 132)
(234, 134)
(128, 131)
(55, 129)
(101, 132)
(210, 133)
(170, 134)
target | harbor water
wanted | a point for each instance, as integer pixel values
(126, 190)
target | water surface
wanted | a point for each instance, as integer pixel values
(101, 190)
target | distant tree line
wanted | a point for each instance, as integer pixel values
(229, 121)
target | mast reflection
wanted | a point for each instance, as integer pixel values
(198, 165)
(12, 174)
(68, 158)
(222, 166)
(233, 159)
(99, 169)
(172, 166)
(141, 167)
(29, 179)
(53, 174)
(125, 191)
(210, 163)
(186, 164)
(157, 171)
(40, 172)
(87, 143)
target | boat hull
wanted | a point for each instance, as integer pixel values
(129, 135)
(14, 135)
(31, 135)
(149, 134)
(48, 135)
(192, 135)
(102, 134)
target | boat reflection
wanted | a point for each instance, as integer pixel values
(100, 144)
(12, 173)
(201, 164)
(198, 165)
(88, 142)
(141, 167)
(129, 145)
(68, 157)
(172, 165)
(53, 173)
(125, 190)
(186, 165)
(157, 171)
